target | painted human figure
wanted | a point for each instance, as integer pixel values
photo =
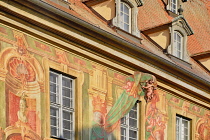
(98, 132)
(21, 113)
(159, 130)
(152, 110)
(202, 130)
(156, 127)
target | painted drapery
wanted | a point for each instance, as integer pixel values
(139, 84)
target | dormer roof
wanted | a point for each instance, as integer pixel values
(182, 21)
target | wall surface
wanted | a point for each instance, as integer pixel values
(206, 62)
(106, 9)
(24, 91)
(162, 38)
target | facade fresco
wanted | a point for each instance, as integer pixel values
(107, 95)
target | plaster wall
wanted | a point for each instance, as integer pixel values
(25, 64)
(205, 62)
(162, 37)
(106, 9)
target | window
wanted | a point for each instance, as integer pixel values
(173, 6)
(182, 128)
(62, 106)
(125, 17)
(178, 45)
(129, 125)
(179, 32)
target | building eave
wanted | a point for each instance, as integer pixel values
(131, 49)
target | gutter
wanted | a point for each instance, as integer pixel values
(121, 41)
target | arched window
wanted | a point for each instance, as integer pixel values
(178, 45)
(125, 17)
(125, 20)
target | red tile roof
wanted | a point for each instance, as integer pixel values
(153, 14)
(196, 12)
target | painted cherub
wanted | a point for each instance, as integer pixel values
(149, 87)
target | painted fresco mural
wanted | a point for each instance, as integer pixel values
(107, 95)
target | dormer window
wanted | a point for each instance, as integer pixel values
(125, 17)
(178, 45)
(173, 6)
(179, 29)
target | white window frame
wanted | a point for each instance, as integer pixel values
(122, 19)
(178, 45)
(58, 104)
(125, 124)
(174, 3)
(180, 133)
(133, 4)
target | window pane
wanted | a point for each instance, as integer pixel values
(53, 111)
(123, 120)
(66, 124)
(186, 131)
(132, 134)
(67, 115)
(123, 138)
(67, 102)
(67, 134)
(179, 54)
(121, 6)
(53, 121)
(53, 98)
(133, 114)
(179, 38)
(67, 92)
(123, 132)
(54, 131)
(132, 122)
(53, 77)
(126, 9)
(175, 36)
(135, 107)
(53, 88)
(126, 27)
(66, 82)
(126, 19)
(185, 122)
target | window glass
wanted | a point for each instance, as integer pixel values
(174, 6)
(178, 45)
(62, 106)
(182, 128)
(129, 125)
(125, 16)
